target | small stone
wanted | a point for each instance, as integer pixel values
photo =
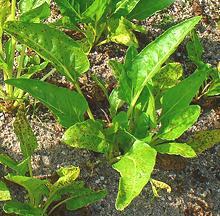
(97, 181)
(102, 178)
(169, 198)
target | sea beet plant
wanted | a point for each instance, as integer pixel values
(44, 196)
(150, 124)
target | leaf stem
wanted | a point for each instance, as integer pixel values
(48, 74)
(21, 61)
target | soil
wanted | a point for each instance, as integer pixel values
(195, 183)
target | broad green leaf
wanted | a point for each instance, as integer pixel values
(214, 89)
(37, 14)
(23, 209)
(135, 168)
(180, 96)
(84, 197)
(53, 45)
(96, 10)
(36, 188)
(4, 192)
(181, 149)
(27, 5)
(88, 135)
(124, 7)
(146, 8)
(149, 61)
(121, 120)
(174, 125)
(203, 140)
(70, 9)
(121, 33)
(130, 55)
(68, 106)
(3, 64)
(25, 135)
(168, 76)
(195, 48)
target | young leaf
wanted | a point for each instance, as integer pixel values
(115, 102)
(195, 48)
(25, 135)
(168, 76)
(68, 106)
(149, 61)
(53, 45)
(178, 122)
(23, 209)
(121, 33)
(146, 8)
(214, 89)
(36, 188)
(181, 149)
(180, 96)
(88, 135)
(4, 192)
(203, 140)
(135, 168)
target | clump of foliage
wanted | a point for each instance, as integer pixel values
(16, 60)
(44, 196)
(195, 51)
(102, 21)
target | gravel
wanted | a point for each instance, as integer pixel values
(195, 187)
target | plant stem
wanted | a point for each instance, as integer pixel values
(30, 168)
(21, 61)
(48, 74)
(13, 44)
(89, 112)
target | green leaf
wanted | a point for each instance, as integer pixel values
(149, 61)
(96, 10)
(37, 14)
(214, 89)
(4, 12)
(68, 106)
(168, 76)
(121, 120)
(124, 7)
(27, 5)
(146, 8)
(83, 197)
(135, 168)
(116, 67)
(20, 168)
(4, 192)
(174, 125)
(23, 209)
(88, 135)
(181, 149)
(180, 96)
(203, 140)
(69, 8)
(36, 188)
(53, 45)
(25, 135)
(195, 48)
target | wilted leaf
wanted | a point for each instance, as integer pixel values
(203, 140)
(4, 192)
